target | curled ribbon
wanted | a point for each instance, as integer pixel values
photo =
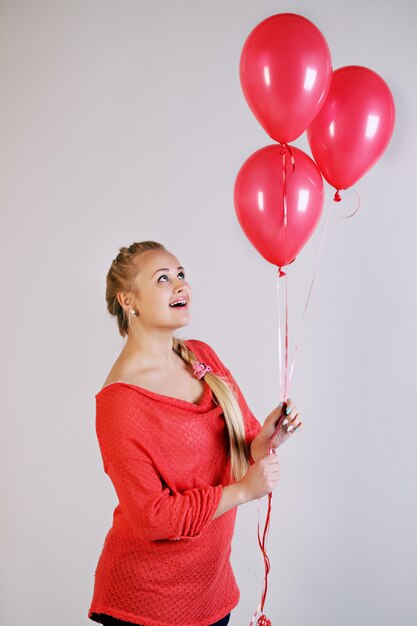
(284, 381)
(337, 198)
(263, 620)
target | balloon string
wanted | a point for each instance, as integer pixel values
(358, 200)
(284, 190)
(262, 545)
(280, 372)
(286, 340)
(310, 290)
(283, 374)
(262, 541)
(283, 369)
(337, 198)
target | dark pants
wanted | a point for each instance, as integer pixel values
(107, 620)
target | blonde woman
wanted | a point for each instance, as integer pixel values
(182, 449)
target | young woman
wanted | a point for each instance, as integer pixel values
(182, 449)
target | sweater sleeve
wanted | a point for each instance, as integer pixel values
(154, 511)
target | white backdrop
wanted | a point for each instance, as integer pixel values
(123, 121)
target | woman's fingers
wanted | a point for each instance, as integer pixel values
(290, 412)
(287, 417)
(294, 424)
(289, 406)
(292, 420)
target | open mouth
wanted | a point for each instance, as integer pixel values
(179, 304)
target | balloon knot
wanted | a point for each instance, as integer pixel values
(337, 196)
(281, 273)
(285, 149)
(264, 621)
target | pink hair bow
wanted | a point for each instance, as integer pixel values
(200, 369)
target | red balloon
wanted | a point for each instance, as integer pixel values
(354, 126)
(285, 74)
(259, 201)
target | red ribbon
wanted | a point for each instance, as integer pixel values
(263, 620)
(283, 385)
(329, 212)
(284, 151)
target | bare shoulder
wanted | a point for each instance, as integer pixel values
(134, 374)
(121, 371)
(113, 377)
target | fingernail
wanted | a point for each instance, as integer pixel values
(290, 428)
(298, 428)
(280, 405)
(285, 422)
(288, 410)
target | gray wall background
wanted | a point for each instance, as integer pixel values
(123, 121)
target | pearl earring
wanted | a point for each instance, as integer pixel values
(133, 312)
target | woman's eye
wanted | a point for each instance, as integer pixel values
(166, 276)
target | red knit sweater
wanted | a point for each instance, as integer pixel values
(165, 561)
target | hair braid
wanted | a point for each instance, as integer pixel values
(223, 394)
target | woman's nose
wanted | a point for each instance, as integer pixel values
(180, 288)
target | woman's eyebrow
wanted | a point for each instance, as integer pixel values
(166, 269)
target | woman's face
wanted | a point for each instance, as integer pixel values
(160, 281)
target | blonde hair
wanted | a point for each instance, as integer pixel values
(122, 277)
(226, 398)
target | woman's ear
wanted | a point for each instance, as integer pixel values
(125, 299)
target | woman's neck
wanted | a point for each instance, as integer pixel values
(152, 349)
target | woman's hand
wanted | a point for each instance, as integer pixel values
(261, 478)
(283, 421)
